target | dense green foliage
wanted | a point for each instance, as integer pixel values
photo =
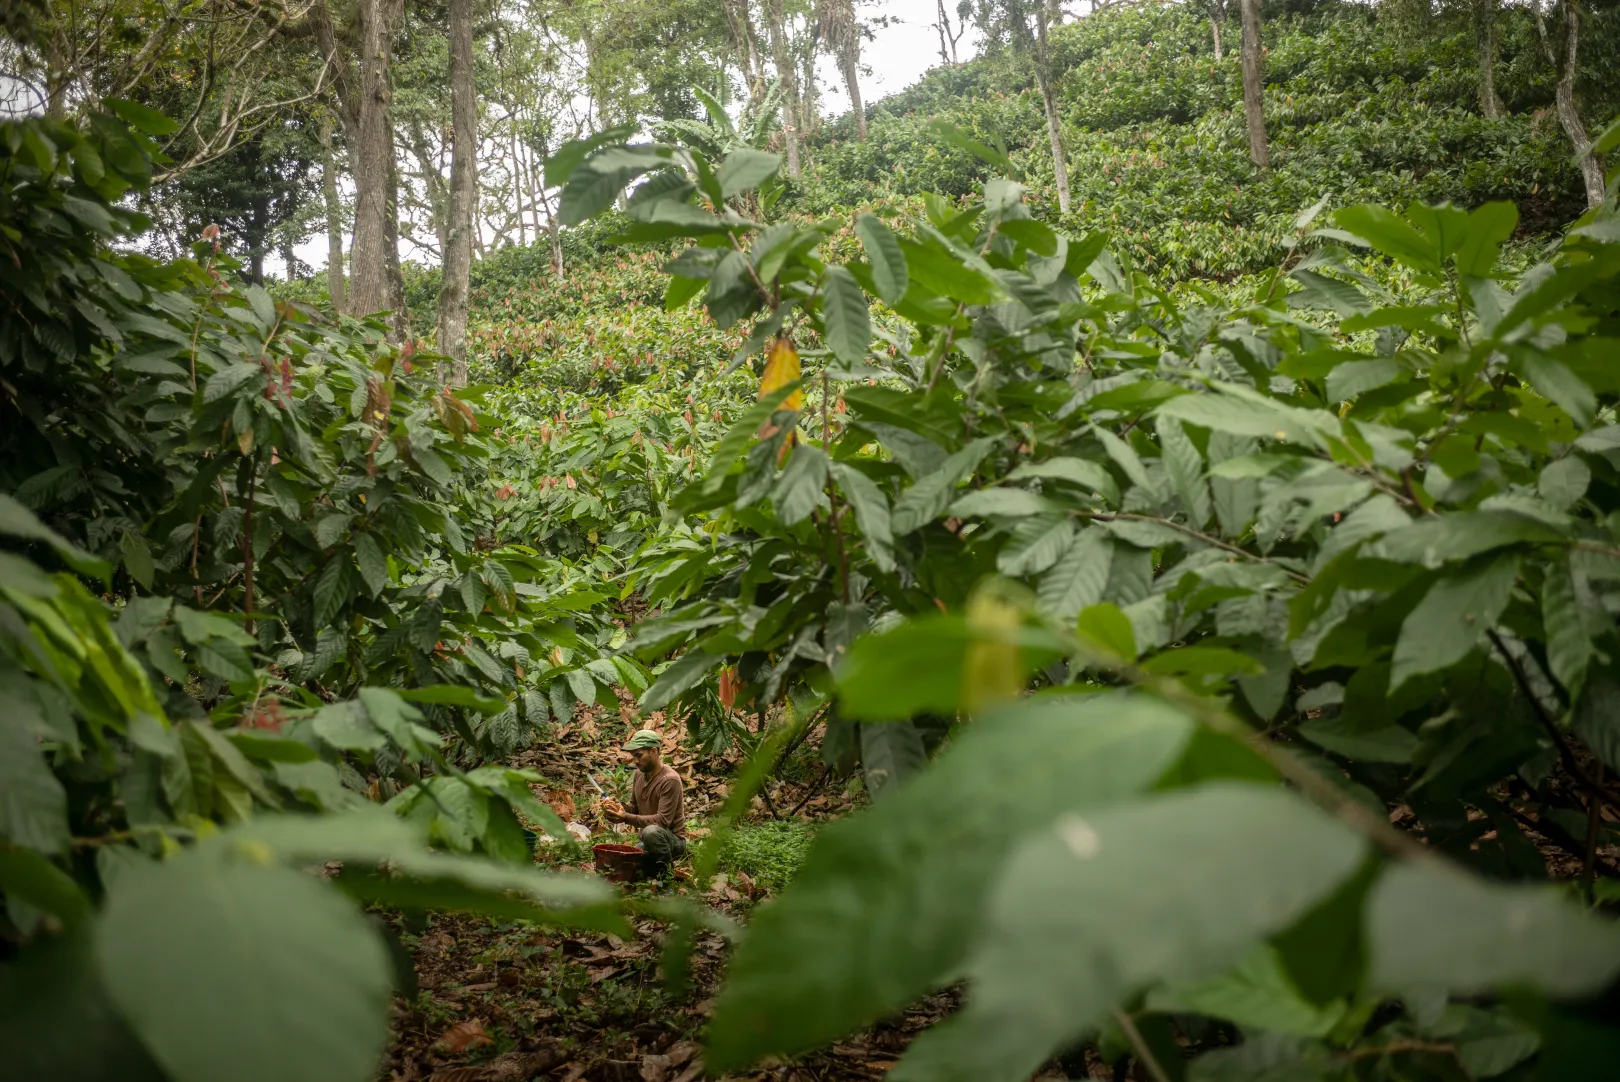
(1375, 527)
(1355, 107)
(1137, 606)
(297, 620)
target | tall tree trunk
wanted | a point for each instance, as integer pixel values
(1485, 44)
(334, 218)
(850, 62)
(463, 192)
(1054, 127)
(395, 274)
(371, 155)
(776, 25)
(1254, 107)
(1217, 12)
(1569, 115)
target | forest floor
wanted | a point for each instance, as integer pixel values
(486, 1000)
(505, 1001)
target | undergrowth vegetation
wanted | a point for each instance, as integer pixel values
(1215, 659)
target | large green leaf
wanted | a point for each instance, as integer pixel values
(1080, 577)
(922, 667)
(888, 261)
(231, 968)
(845, 315)
(1432, 928)
(744, 169)
(1095, 907)
(33, 804)
(871, 513)
(927, 499)
(885, 907)
(1452, 617)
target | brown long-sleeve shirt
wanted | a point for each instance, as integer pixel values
(656, 800)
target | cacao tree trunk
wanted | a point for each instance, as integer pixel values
(1254, 108)
(462, 212)
(1054, 126)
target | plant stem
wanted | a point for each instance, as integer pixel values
(1143, 1052)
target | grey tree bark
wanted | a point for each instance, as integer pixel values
(1217, 12)
(334, 218)
(1485, 45)
(462, 210)
(371, 154)
(1564, 62)
(1054, 127)
(776, 27)
(1254, 108)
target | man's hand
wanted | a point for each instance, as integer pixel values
(612, 810)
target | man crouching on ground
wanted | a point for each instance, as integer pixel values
(655, 803)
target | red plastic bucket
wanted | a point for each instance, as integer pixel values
(620, 863)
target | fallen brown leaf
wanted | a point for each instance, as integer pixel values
(681, 1051)
(463, 1036)
(691, 1072)
(654, 1068)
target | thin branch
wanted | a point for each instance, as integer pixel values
(1143, 1052)
(1566, 751)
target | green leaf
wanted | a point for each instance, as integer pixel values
(142, 118)
(137, 558)
(345, 726)
(373, 564)
(331, 590)
(561, 165)
(1457, 536)
(891, 751)
(1562, 386)
(1390, 744)
(921, 666)
(744, 169)
(1079, 579)
(33, 804)
(926, 500)
(1092, 909)
(683, 674)
(1564, 481)
(225, 382)
(886, 906)
(845, 315)
(27, 876)
(871, 513)
(889, 273)
(1105, 627)
(1431, 928)
(1186, 469)
(1597, 717)
(1382, 230)
(1036, 544)
(17, 521)
(1489, 226)
(1452, 617)
(596, 182)
(452, 695)
(214, 963)
(799, 487)
(1012, 502)
(1089, 475)
(1257, 993)
(1569, 644)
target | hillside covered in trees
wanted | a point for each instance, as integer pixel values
(1120, 541)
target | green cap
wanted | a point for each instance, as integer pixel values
(644, 738)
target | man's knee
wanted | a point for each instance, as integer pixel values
(661, 843)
